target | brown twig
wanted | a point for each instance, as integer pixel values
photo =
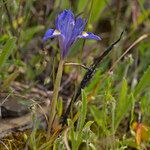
(76, 64)
(66, 139)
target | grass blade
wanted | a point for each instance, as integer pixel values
(143, 83)
(7, 50)
(82, 112)
(122, 105)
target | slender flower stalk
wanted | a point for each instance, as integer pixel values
(68, 30)
(52, 110)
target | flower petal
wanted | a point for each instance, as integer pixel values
(89, 35)
(78, 29)
(65, 23)
(50, 34)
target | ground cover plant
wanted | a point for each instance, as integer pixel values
(74, 74)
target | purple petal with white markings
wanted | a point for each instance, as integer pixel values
(89, 35)
(51, 33)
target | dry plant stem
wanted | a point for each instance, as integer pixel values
(136, 42)
(76, 64)
(66, 139)
(6, 147)
(52, 107)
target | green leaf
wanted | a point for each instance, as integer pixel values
(88, 124)
(132, 108)
(9, 79)
(83, 112)
(81, 121)
(60, 106)
(7, 50)
(96, 114)
(95, 81)
(92, 146)
(72, 133)
(99, 117)
(81, 5)
(4, 37)
(97, 7)
(143, 83)
(123, 104)
(65, 4)
(28, 34)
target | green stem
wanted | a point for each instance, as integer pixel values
(52, 108)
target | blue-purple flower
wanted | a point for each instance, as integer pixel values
(68, 29)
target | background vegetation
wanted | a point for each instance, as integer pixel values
(115, 106)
